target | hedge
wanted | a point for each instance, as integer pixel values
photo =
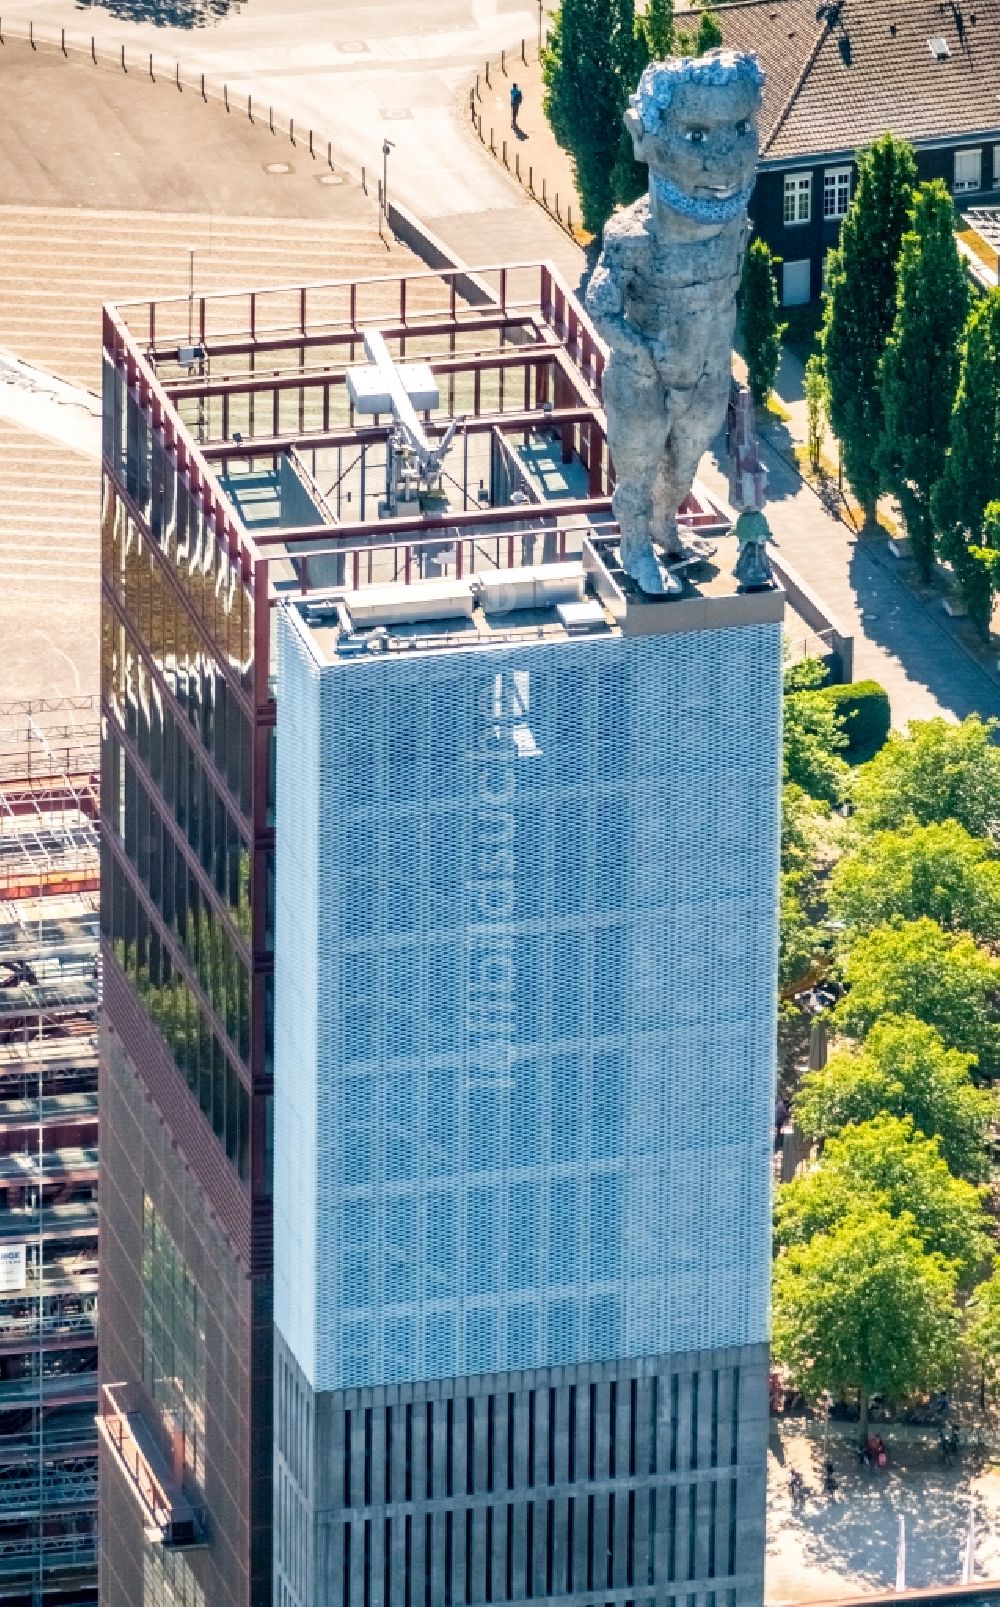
(864, 706)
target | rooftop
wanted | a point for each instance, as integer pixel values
(841, 74)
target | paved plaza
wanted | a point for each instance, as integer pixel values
(845, 1544)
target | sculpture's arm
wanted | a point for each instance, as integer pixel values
(606, 302)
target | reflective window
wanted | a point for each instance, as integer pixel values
(173, 1338)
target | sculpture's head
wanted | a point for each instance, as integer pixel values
(695, 123)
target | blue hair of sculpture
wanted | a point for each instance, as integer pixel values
(661, 79)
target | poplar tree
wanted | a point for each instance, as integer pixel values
(588, 70)
(961, 504)
(860, 309)
(658, 26)
(762, 330)
(920, 365)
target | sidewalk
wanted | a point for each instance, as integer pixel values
(532, 155)
(843, 1544)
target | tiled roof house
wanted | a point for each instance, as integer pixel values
(841, 74)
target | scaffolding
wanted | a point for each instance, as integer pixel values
(49, 988)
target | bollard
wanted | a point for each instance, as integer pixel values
(64, 41)
(151, 67)
(531, 178)
(93, 50)
(225, 95)
(556, 203)
(203, 95)
(503, 62)
(517, 165)
(505, 153)
(31, 37)
(364, 181)
(124, 68)
(569, 219)
(177, 77)
(291, 129)
(329, 155)
(523, 55)
(544, 197)
(493, 148)
(270, 118)
(250, 107)
(488, 84)
(312, 153)
(478, 91)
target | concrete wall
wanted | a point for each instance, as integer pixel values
(616, 1483)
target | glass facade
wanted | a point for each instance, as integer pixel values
(524, 1003)
(173, 1338)
(186, 871)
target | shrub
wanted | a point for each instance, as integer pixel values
(864, 708)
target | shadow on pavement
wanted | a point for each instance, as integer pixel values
(909, 629)
(164, 13)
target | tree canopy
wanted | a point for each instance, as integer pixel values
(864, 1310)
(813, 734)
(920, 363)
(939, 870)
(903, 1068)
(938, 771)
(971, 478)
(916, 968)
(589, 69)
(860, 308)
(983, 1330)
(759, 317)
(885, 1165)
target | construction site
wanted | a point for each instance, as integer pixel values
(49, 985)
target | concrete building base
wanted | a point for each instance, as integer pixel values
(619, 1482)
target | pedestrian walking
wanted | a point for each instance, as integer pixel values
(516, 98)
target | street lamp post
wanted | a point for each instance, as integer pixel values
(387, 146)
(191, 252)
(540, 5)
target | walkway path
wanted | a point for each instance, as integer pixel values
(359, 71)
(844, 1544)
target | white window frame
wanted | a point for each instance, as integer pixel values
(836, 185)
(797, 190)
(968, 185)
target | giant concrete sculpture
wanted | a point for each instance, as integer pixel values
(663, 294)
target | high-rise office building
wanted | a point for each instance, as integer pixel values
(520, 1046)
(526, 866)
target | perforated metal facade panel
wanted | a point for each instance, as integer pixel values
(525, 965)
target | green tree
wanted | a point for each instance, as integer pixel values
(709, 35)
(884, 1165)
(814, 386)
(938, 870)
(915, 968)
(762, 329)
(982, 1334)
(588, 70)
(798, 938)
(863, 1311)
(658, 26)
(860, 307)
(903, 1068)
(938, 771)
(920, 363)
(801, 821)
(971, 478)
(813, 734)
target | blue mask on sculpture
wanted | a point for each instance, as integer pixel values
(700, 209)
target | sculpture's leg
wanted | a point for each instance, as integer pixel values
(635, 411)
(698, 416)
